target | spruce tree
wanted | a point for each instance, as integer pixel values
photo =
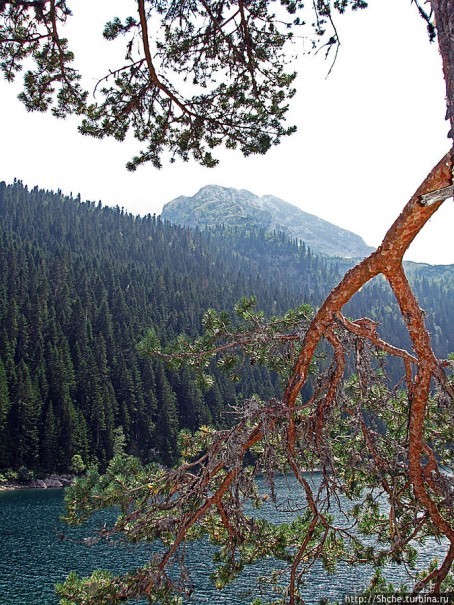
(5, 405)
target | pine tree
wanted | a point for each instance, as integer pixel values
(167, 419)
(50, 451)
(5, 405)
(24, 420)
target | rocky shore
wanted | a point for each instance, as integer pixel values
(48, 482)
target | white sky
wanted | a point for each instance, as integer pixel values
(367, 135)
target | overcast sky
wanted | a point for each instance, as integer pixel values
(367, 135)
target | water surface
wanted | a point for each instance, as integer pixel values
(37, 550)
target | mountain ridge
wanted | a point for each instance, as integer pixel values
(214, 205)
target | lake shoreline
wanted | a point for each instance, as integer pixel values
(51, 481)
(60, 481)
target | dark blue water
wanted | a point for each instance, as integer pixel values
(33, 556)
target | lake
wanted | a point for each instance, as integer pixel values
(33, 556)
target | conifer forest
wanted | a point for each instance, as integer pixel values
(80, 285)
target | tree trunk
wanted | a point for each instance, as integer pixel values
(444, 23)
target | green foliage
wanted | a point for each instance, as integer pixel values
(79, 285)
(362, 511)
(5, 406)
(447, 584)
(93, 590)
(119, 445)
(24, 475)
(77, 464)
(196, 76)
(268, 342)
(31, 31)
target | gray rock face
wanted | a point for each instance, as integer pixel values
(214, 205)
(52, 482)
(39, 483)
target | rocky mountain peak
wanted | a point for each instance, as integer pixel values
(215, 205)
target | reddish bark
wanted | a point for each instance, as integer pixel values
(387, 260)
(438, 575)
(420, 394)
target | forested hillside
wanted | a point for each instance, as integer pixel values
(81, 283)
(79, 286)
